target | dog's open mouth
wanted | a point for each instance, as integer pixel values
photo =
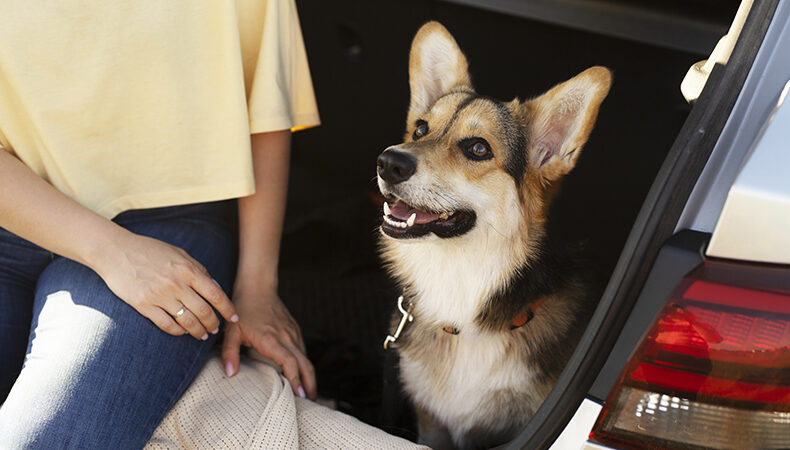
(403, 221)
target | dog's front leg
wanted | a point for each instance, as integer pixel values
(432, 432)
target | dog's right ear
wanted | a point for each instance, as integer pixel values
(436, 67)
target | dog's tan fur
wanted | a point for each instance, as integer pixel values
(480, 386)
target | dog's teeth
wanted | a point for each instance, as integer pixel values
(444, 216)
(387, 209)
(411, 219)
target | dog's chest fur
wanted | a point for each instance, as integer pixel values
(470, 381)
(448, 281)
(488, 379)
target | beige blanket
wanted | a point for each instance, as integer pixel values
(256, 409)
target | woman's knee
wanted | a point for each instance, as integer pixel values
(95, 367)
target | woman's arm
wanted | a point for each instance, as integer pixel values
(153, 277)
(265, 323)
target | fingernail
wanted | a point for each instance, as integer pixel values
(215, 331)
(235, 318)
(204, 337)
(301, 392)
(229, 369)
(217, 283)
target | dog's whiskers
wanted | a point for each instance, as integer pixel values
(490, 224)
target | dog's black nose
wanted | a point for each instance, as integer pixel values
(395, 166)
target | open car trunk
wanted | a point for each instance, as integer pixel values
(330, 275)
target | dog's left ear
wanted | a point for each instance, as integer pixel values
(436, 67)
(560, 121)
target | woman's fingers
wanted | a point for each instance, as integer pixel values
(306, 374)
(210, 290)
(191, 303)
(189, 322)
(272, 348)
(164, 321)
(199, 310)
(268, 327)
(231, 345)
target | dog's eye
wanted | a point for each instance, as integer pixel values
(421, 130)
(479, 150)
(476, 149)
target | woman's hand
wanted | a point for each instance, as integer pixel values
(266, 325)
(153, 277)
(158, 280)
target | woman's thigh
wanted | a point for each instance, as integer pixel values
(20, 265)
(97, 373)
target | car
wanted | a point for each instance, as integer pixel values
(701, 360)
(682, 207)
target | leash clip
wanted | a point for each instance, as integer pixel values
(406, 317)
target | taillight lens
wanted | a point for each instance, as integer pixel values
(714, 369)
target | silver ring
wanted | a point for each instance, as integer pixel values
(180, 312)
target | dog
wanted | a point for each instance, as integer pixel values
(491, 310)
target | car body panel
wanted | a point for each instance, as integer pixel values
(579, 426)
(757, 99)
(754, 223)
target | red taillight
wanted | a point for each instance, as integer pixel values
(714, 369)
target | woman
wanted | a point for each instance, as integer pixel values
(126, 129)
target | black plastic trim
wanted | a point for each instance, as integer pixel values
(654, 225)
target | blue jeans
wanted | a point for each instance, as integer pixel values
(96, 373)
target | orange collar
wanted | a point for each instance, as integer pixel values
(519, 321)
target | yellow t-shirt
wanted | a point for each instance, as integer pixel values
(145, 103)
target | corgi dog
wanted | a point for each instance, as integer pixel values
(490, 311)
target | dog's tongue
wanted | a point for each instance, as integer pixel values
(403, 211)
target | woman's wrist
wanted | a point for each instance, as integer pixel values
(107, 247)
(255, 284)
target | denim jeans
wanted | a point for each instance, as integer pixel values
(96, 373)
